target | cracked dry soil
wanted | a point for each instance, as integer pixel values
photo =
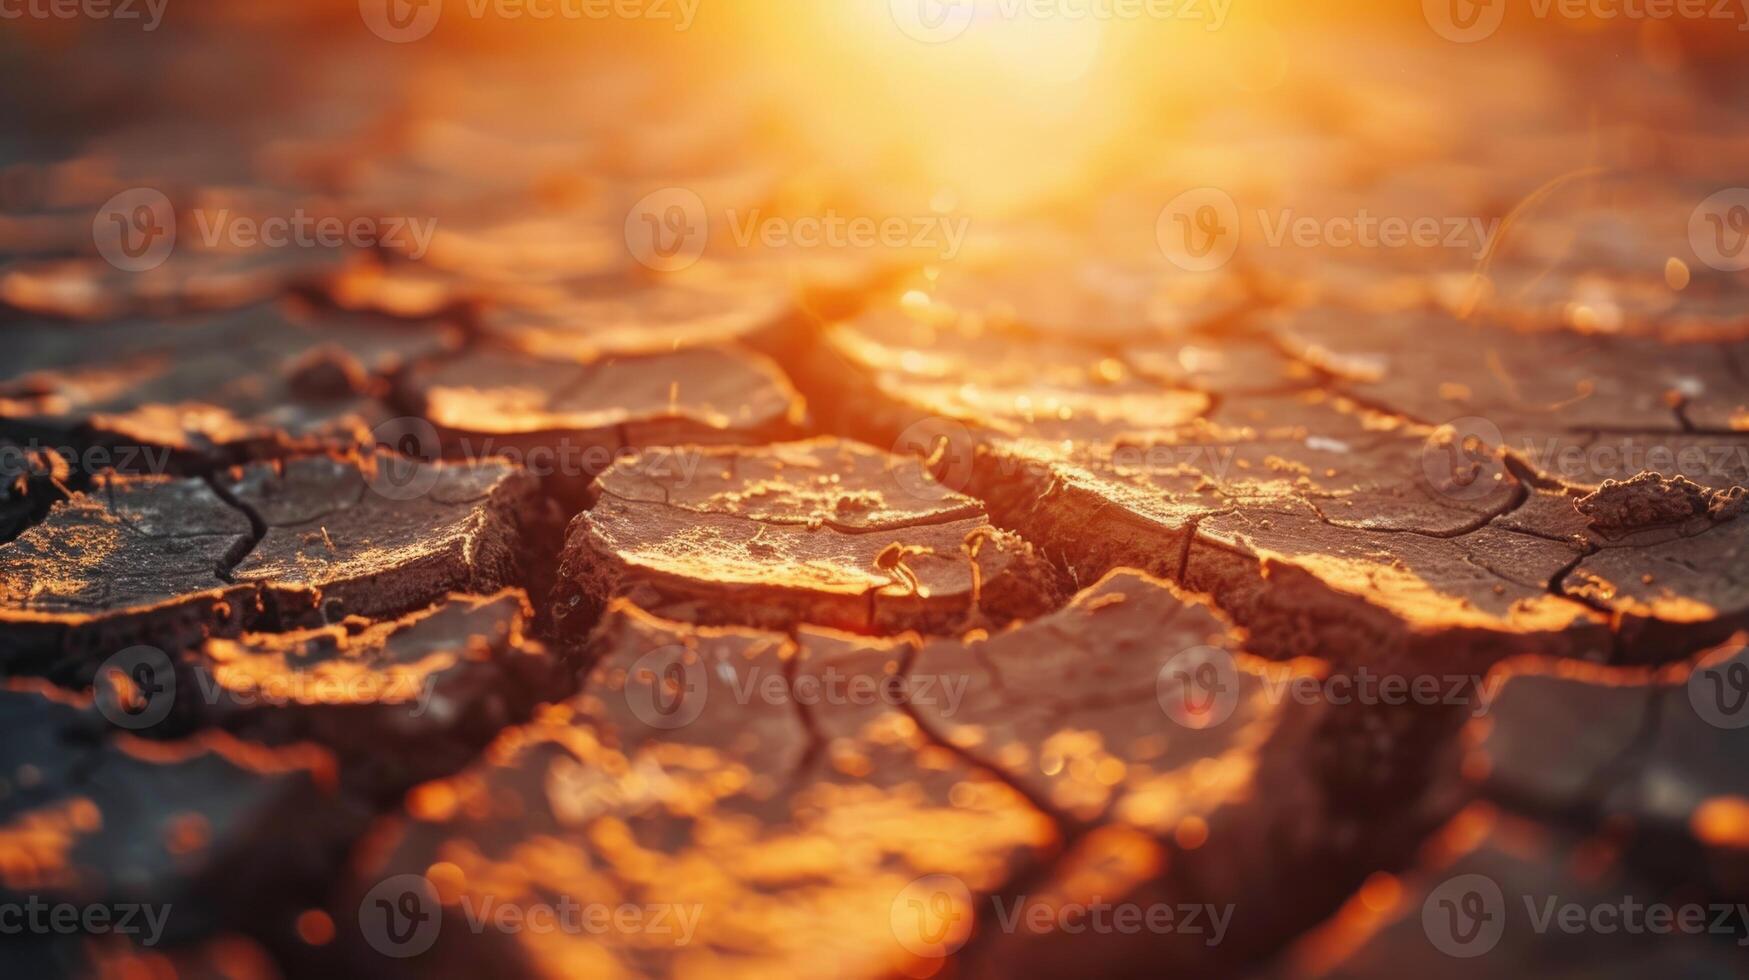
(846, 618)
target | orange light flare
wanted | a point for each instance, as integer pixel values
(1002, 104)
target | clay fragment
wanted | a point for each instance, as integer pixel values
(1649, 500)
(1653, 757)
(380, 535)
(825, 532)
(168, 563)
(397, 701)
(222, 389)
(569, 420)
(31, 481)
(133, 560)
(91, 816)
(1479, 900)
(706, 772)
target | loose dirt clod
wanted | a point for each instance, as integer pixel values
(824, 532)
(1649, 500)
